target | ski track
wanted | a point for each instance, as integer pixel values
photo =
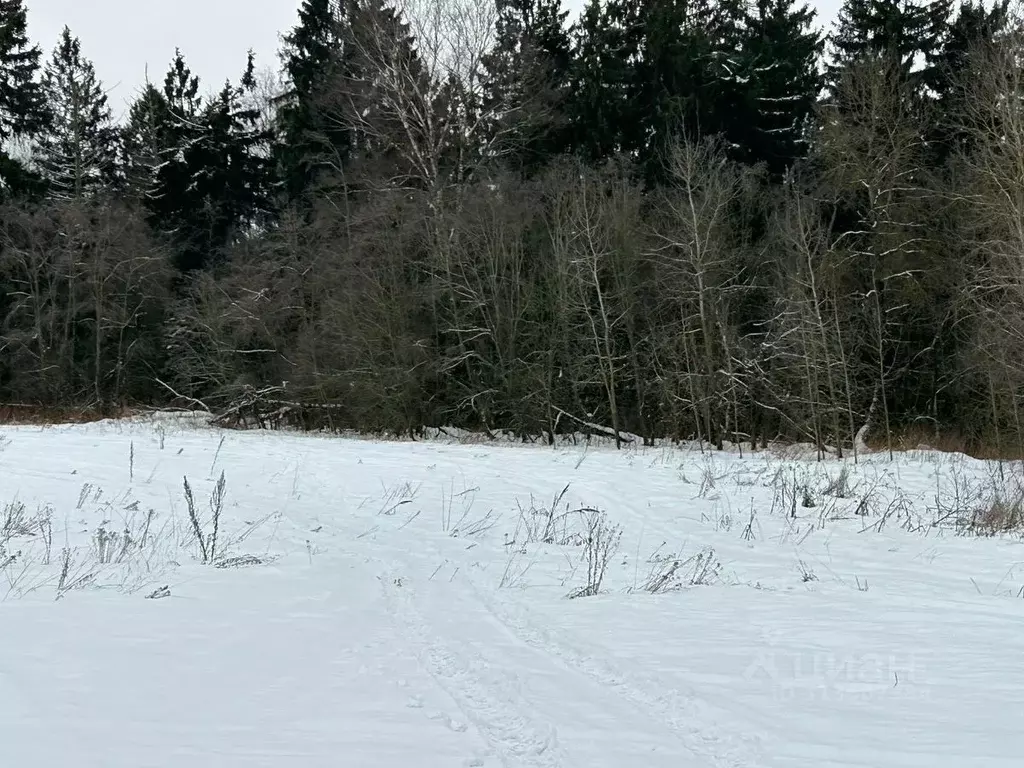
(517, 692)
(683, 715)
(412, 640)
(649, 703)
(487, 697)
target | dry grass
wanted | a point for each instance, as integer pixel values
(982, 506)
(43, 415)
(998, 510)
(921, 437)
(912, 438)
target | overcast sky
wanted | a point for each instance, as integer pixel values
(124, 37)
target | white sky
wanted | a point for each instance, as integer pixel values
(124, 37)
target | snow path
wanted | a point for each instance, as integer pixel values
(396, 624)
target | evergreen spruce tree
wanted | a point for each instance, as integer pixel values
(688, 80)
(77, 151)
(605, 47)
(780, 54)
(169, 127)
(210, 164)
(142, 148)
(174, 131)
(907, 33)
(231, 165)
(650, 71)
(974, 26)
(313, 56)
(21, 100)
(527, 81)
(401, 123)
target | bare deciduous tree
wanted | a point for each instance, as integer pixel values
(701, 271)
(873, 150)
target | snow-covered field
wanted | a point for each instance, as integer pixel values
(406, 605)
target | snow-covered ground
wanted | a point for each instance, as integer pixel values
(406, 605)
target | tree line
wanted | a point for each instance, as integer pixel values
(689, 219)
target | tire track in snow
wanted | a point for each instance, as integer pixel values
(487, 698)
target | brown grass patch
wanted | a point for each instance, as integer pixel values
(47, 415)
(947, 441)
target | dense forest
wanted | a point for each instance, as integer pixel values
(689, 219)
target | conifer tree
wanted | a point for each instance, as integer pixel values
(400, 119)
(169, 125)
(21, 99)
(648, 72)
(605, 46)
(975, 25)
(313, 57)
(142, 148)
(907, 33)
(688, 81)
(780, 53)
(212, 180)
(231, 163)
(77, 151)
(527, 80)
